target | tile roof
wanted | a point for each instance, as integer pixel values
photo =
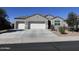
(49, 17)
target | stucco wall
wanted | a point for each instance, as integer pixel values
(35, 18)
(38, 19)
(62, 23)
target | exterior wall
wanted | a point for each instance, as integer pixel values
(34, 19)
(62, 23)
(39, 19)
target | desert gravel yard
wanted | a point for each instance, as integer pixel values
(33, 36)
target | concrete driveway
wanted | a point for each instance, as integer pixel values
(33, 36)
(27, 36)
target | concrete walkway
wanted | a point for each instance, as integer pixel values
(33, 36)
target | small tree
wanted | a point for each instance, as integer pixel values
(4, 21)
(62, 30)
(72, 19)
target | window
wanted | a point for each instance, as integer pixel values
(57, 22)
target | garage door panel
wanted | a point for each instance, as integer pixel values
(37, 26)
(21, 26)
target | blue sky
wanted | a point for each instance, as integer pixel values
(28, 11)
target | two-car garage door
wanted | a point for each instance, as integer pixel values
(37, 26)
(32, 26)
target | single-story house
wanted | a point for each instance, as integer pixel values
(38, 21)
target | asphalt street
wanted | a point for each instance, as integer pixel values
(44, 46)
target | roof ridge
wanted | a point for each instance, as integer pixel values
(43, 15)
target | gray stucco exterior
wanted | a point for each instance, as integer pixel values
(37, 18)
(32, 19)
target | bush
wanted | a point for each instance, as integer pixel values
(62, 30)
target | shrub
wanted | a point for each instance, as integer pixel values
(62, 30)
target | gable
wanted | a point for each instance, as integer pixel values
(58, 19)
(36, 18)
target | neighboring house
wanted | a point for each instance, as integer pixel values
(58, 22)
(38, 21)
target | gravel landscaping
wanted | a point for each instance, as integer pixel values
(68, 33)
